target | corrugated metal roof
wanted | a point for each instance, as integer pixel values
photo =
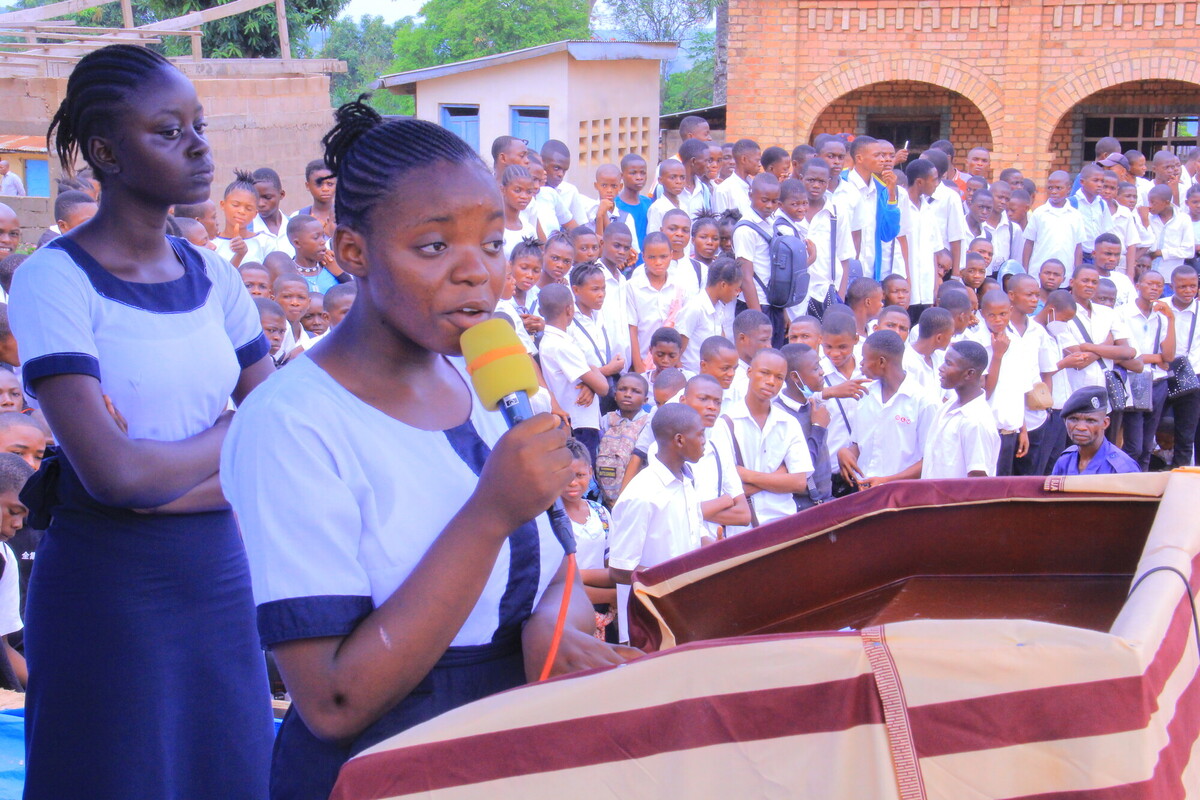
(22, 144)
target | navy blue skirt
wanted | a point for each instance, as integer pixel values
(305, 768)
(146, 679)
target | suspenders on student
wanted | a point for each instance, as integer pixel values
(607, 347)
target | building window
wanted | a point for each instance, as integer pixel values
(917, 132)
(1146, 133)
(598, 144)
(463, 121)
(531, 123)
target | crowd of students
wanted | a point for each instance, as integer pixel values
(953, 327)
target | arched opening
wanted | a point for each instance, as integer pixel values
(1143, 115)
(899, 111)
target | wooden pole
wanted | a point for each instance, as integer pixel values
(127, 13)
(197, 50)
(285, 45)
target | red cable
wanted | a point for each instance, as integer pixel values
(562, 618)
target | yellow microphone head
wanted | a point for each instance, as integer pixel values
(497, 362)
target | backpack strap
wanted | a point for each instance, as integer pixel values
(747, 223)
(737, 455)
(696, 266)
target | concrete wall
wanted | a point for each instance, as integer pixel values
(261, 121)
(614, 103)
(1024, 64)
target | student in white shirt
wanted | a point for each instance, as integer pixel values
(605, 210)
(615, 247)
(752, 250)
(1012, 371)
(946, 208)
(765, 438)
(1186, 408)
(588, 331)
(1056, 228)
(1106, 255)
(962, 440)
(1151, 325)
(1043, 355)
(657, 516)
(1008, 240)
(1174, 239)
(923, 358)
(654, 298)
(844, 384)
(671, 179)
(710, 312)
(547, 208)
(829, 272)
(734, 191)
(891, 420)
(576, 386)
(556, 158)
(696, 196)
(1091, 206)
(271, 222)
(920, 236)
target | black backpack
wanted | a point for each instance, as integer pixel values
(787, 285)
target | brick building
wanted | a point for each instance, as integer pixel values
(1035, 81)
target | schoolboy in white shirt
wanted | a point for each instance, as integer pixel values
(1043, 354)
(1151, 325)
(734, 191)
(575, 385)
(1056, 228)
(962, 440)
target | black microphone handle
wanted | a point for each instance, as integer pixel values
(516, 409)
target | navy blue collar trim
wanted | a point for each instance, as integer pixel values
(179, 296)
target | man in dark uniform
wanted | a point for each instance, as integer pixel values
(1090, 453)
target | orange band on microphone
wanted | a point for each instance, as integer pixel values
(494, 355)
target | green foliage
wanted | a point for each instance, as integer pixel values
(456, 30)
(659, 20)
(366, 47)
(692, 88)
(251, 34)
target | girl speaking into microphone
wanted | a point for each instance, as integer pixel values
(399, 553)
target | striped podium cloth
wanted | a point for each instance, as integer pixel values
(953, 709)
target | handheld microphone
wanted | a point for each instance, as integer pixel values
(503, 376)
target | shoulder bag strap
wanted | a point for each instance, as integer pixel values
(737, 455)
(841, 410)
(588, 336)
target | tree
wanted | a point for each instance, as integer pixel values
(366, 47)
(692, 88)
(659, 20)
(456, 30)
(251, 34)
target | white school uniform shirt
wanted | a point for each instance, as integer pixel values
(548, 209)
(648, 309)
(754, 248)
(1097, 219)
(733, 192)
(926, 373)
(1175, 239)
(1185, 324)
(274, 241)
(780, 442)
(946, 208)
(919, 226)
(1144, 185)
(962, 439)
(655, 519)
(257, 248)
(1126, 292)
(826, 270)
(865, 210)
(10, 592)
(659, 209)
(891, 435)
(168, 354)
(376, 495)
(1147, 332)
(616, 313)
(509, 309)
(1018, 372)
(1008, 242)
(1043, 357)
(699, 319)
(1127, 227)
(574, 201)
(616, 215)
(1054, 232)
(691, 275)
(591, 337)
(513, 238)
(1099, 322)
(591, 540)
(696, 201)
(715, 474)
(841, 410)
(563, 364)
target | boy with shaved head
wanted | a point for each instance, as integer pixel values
(1056, 228)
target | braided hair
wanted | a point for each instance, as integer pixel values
(101, 82)
(529, 246)
(581, 272)
(242, 180)
(367, 154)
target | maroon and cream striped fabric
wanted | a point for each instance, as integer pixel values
(963, 709)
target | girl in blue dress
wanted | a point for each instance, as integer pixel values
(145, 676)
(401, 561)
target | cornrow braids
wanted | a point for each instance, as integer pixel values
(703, 219)
(368, 155)
(529, 246)
(581, 272)
(513, 172)
(242, 180)
(558, 237)
(100, 83)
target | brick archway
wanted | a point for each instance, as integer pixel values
(1113, 70)
(931, 68)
